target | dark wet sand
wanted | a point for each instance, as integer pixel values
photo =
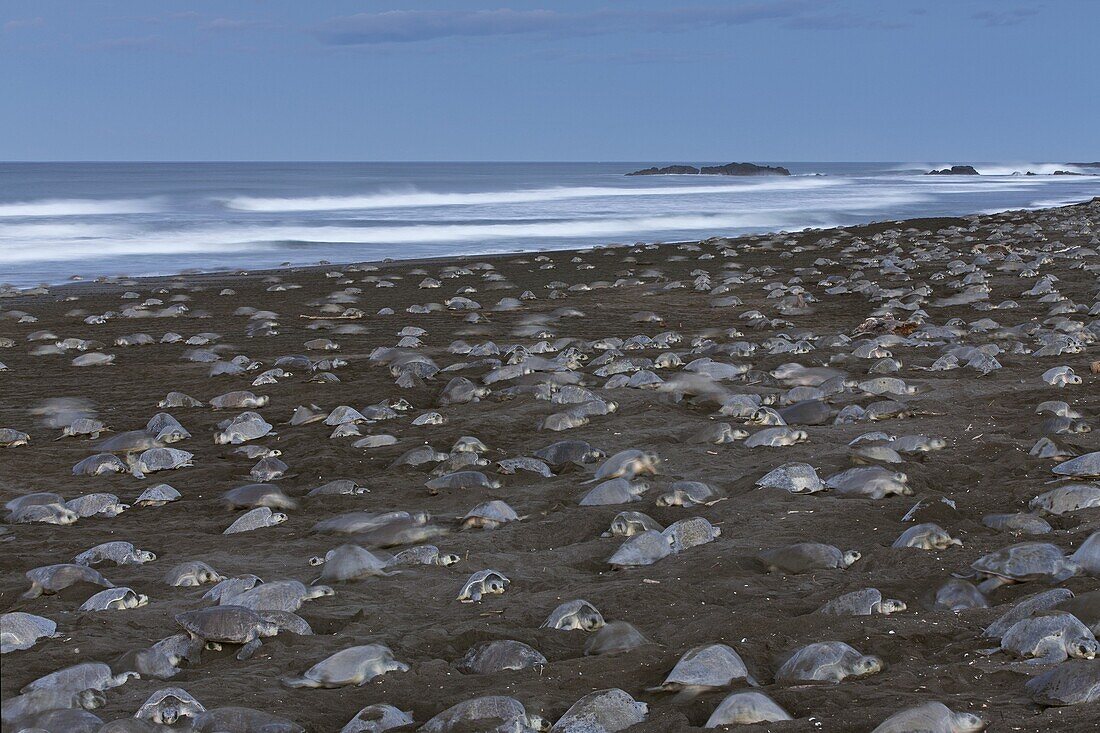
(713, 593)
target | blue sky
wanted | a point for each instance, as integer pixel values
(814, 80)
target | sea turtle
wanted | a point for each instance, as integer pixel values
(258, 495)
(99, 464)
(240, 400)
(89, 426)
(958, 595)
(70, 720)
(1072, 682)
(718, 433)
(21, 712)
(338, 487)
(495, 656)
(19, 630)
(644, 548)
(807, 412)
(609, 710)
(1019, 523)
(463, 480)
(168, 705)
(56, 578)
(243, 428)
(627, 524)
(160, 459)
(219, 720)
(118, 552)
(575, 614)
(776, 437)
(178, 399)
(131, 441)
(97, 505)
(12, 438)
(58, 514)
(688, 493)
(192, 573)
(706, 668)
(864, 602)
(1023, 562)
(158, 495)
(1067, 498)
(910, 444)
(489, 515)
(873, 482)
(1087, 556)
(355, 665)
(805, 557)
(746, 708)
(424, 555)
(1060, 376)
(1026, 608)
(687, 533)
(491, 713)
(509, 466)
(256, 519)
(268, 468)
(227, 625)
(230, 587)
(82, 676)
(931, 717)
(1086, 466)
(797, 478)
(614, 491)
(350, 562)
(377, 719)
(115, 599)
(827, 661)
(276, 595)
(614, 637)
(1049, 636)
(627, 464)
(566, 452)
(927, 536)
(482, 583)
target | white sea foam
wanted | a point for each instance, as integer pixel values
(395, 199)
(78, 207)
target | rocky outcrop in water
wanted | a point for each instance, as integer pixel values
(729, 169)
(955, 170)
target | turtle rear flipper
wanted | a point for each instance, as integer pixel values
(298, 682)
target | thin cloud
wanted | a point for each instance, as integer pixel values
(20, 23)
(413, 26)
(1002, 18)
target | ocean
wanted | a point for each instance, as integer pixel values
(60, 220)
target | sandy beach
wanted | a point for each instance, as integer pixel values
(636, 317)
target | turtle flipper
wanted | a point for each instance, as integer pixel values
(249, 649)
(1049, 651)
(34, 592)
(298, 682)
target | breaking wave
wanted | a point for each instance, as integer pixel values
(78, 207)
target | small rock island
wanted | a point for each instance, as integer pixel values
(955, 170)
(729, 169)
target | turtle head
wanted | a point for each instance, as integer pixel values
(494, 585)
(320, 590)
(967, 723)
(448, 559)
(144, 556)
(221, 438)
(122, 677)
(1083, 648)
(800, 435)
(612, 406)
(267, 628)
(867, 665)
(168, 712)
(850, 556)
(891, 605)
(66, 516)
(420, 517)
(316, 560)
(537, 722)
(140, 600)
(937, 443)
(91, 699)
(278, 517)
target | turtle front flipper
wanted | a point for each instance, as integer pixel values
(298, 682)
(249, 649)
(34, 592)
(992, 583)
(1049, 651)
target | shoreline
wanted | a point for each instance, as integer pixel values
(221, 275)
